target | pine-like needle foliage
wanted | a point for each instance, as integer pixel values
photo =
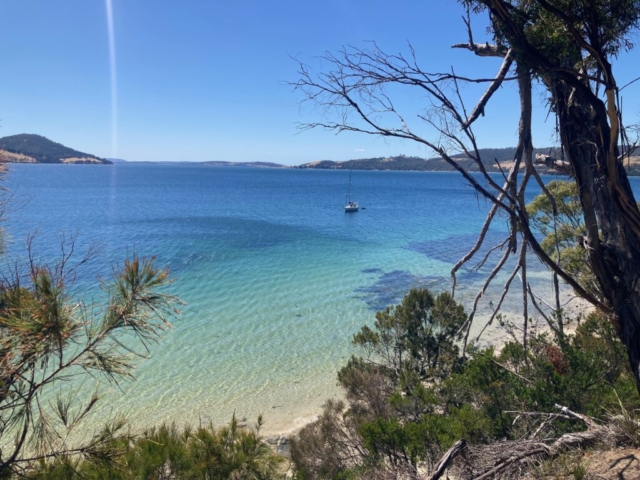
(49, 345)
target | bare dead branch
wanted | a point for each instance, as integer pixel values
(500, 77)
(513, 373)
(496, 310)
(467, 325)
(447, 458)
(475, 248)
(551, 325)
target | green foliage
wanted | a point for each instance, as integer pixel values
(392, 406)
(408, 404)
(585, 373)
(415, 337)
(166, 452)
(231, 452)
(46, 340)
(397, 441)
(563, 233)
(553, 32)
(569, 213)
(327, 447)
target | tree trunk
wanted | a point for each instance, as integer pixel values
(609, 209)
(590, 131)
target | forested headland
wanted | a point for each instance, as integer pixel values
(31, 148)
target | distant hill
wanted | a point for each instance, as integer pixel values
(30, 148)
(436, 164)
(493, 160)
(401, 162)
(244, 164)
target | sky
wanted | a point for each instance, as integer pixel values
(202, 80)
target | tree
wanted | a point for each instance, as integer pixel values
(568, 47)
(557, 215)
(49, 344)
(415, 335)
(391, 422)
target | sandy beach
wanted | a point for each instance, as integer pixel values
(286, 419)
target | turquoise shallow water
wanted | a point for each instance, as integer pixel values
(276, 277)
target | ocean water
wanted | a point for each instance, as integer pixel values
(275, 276)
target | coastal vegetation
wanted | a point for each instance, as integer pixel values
(53, 348)
(167, 452)
(412, 396)
(411, 393)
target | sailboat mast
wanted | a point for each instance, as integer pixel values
(350, 205)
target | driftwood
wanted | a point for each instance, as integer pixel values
(510, 459)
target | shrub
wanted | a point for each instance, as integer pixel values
(166, 452)
(412, 395)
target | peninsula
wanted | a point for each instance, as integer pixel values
(31, 148)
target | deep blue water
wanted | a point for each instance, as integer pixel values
(275, 275)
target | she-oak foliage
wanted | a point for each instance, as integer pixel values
(170, 453)
(47, 342)
(50, 345)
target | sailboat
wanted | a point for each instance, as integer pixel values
(350, 205)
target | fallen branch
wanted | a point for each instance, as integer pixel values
(487, 461)
(538, 449)
(447, 458)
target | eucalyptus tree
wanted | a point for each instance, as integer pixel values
(568, 47)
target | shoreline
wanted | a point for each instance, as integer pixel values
(284, 424)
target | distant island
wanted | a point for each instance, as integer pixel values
(31, 148)
(491, 158)
(494, 160)
(245, 164)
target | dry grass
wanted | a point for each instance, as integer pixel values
(619, 463)
(11, 157)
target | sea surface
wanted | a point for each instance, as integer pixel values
(275, 276)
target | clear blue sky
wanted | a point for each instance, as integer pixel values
(207, 80)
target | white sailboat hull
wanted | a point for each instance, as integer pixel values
(351, 207)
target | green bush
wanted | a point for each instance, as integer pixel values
(412, 395)
(166, 452)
